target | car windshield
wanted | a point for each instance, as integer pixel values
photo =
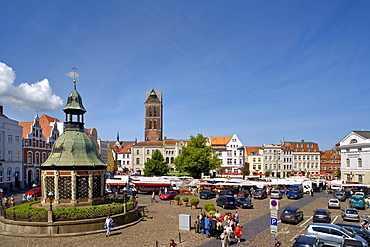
(333, 200)
(339, 194)
(350, 211)
(321, 213)
(357, 199)
(289, 211)
(348, 232)
(293, 189)
(275, 191)
(259, 191)
(243, 199)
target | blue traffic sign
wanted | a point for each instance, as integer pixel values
(273, 203)
(273, 221)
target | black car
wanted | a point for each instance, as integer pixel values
(243, 202)
(291, 215)
(226, 193)
(321, 215)
(226, 202)
(260, 194)
(244, 193)
(207, 194)
(307, 241)
(358, 230)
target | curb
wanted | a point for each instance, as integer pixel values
(10, 234)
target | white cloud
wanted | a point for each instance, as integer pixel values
(36, 96)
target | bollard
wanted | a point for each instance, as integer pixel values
(180, 238)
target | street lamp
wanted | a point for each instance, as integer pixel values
(1, 195)
(51, 197)
(124, 194)
(34, 194)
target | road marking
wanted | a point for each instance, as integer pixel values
(306, 221)
(336, 217)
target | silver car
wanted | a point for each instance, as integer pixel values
(332, 235)
(333, 203)
(276, 194)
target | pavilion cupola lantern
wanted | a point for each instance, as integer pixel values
(74, 172)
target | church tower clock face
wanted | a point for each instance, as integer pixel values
(153, 116)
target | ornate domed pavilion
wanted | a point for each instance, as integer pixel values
(74, 171)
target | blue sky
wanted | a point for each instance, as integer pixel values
(266, 70)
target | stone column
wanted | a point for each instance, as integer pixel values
(74, 188)
(91, 182)
(56, 187)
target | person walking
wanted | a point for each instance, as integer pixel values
(207, 226)
(238, 231)
(225, 239)
(153, 197)
(6, 201)
(172, 243)
(24, 198)
(108, 224)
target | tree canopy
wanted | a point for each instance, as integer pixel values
(197, 158)
(156, 165)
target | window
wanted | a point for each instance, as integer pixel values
(360, 180)
(17, 156)
(9, 174)
(1, 174)
(359, 149)
(29, 157)
(37, 158)
(347, 162)
(137, 151)
(138, 160)
(10, 138)
(10, 155)
(16, 139)
(359, 162)
(353, 141)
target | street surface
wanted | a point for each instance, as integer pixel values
(161, 225)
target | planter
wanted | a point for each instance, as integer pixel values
(177, 202)
(185, 204)
(194, 206)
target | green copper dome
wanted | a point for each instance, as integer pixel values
(74, 103)
(73, 148)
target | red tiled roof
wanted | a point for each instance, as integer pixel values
(125, 150)
(249, 150)
(219, 140)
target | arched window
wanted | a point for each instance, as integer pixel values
(353, 141)
(360, 180)
(359, 162)
(172, 160)
(167, 160)
(37, 158)
(347, 162)
(9, 174)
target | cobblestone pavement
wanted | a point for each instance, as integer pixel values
(161, 225)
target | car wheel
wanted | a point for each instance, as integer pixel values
(223, 206)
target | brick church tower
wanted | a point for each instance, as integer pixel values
(153, 116)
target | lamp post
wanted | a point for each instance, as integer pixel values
(1, 196)
(124, 194)
(51, 197)
(34, 194)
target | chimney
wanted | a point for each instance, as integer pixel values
(1, 110)
(302, 140)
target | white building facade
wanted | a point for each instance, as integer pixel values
(11, 154)
(355, 157)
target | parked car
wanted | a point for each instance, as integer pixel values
(35, 191)
(295, 192)
(291, 215)
(207, 194)
(307, 241)
(226, 193)
(333, 203)
(332, 235)
(350, 214)
(226, 201)
(360, 193)
(321, 215)
(260, 194)
(357, 201)
(276, 194)
(340, 195)
(168, 195)
(243, 202)
(244, 193)
(358, 230)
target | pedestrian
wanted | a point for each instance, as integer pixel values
(207, 226)
(29, 197)
(219, 229)
(225, 239)
(172, 243)
(236, 217)
(6, 201)
(12, 201)
(153, 197)
(108, 224)
(24, 198)
(311, 192)
(238, 231)
(197, 225)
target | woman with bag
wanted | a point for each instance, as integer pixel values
(108, 224)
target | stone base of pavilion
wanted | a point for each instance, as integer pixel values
(66, 228)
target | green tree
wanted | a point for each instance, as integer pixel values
(197, 158)
(245, 169)
(156, 165)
